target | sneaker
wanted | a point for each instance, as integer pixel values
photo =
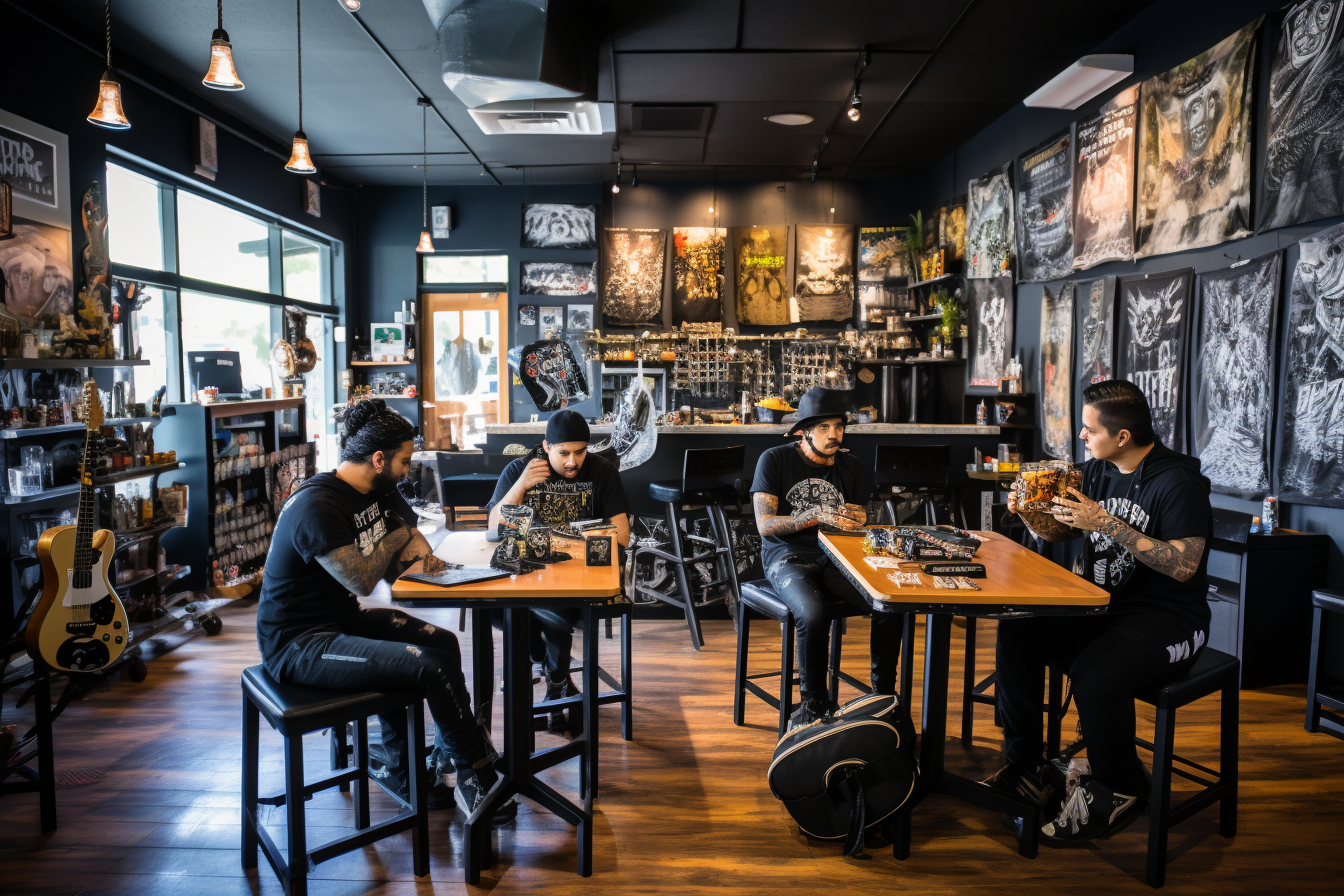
(810, 711)
(556, 690)
(1091, 811)
(473, 785)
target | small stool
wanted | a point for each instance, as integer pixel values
(1320, 705)
(1213, 671)
(761, 597)
(296, 710)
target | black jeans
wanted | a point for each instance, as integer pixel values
(1107, 658)
(383, 647)
(807, 589)
(552, 633)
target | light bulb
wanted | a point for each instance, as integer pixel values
(711, 209)
(352, 5)
(832, 209)
(615, 188)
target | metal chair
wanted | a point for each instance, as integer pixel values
(1320, 716)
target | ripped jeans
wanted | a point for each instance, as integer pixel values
(386, 648)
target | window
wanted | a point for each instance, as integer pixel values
(135, 232)
(218, 244)
(210, 323)
(466, 269)
(301, 262)
(156, 342)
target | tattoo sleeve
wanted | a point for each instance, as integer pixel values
(360, 572)
(767, 523)
(1047, 527)
(1178, 558)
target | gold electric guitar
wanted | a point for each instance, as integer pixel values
(79, 624)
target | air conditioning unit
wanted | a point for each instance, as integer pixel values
(551, 117)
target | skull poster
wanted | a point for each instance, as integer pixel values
(1103, 183)
(632, 276)
(553, 225)
(697, 273)
(557, 278)
(1154, 319)
(763, 291)
(1095, 303)
(1045, 211)
(552, 375)
(1232, 357)
(1311, 440)
(1305, 134)
(989, 224)
(824, 271)
(991, 328)
(1057, 371)
(1194, 170)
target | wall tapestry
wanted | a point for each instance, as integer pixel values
(1306, 118)
(991, 327)
(1154, 320)
(632, 276)
(1095, 303)
(1045, 211)
(1057, 371)
(952, 231)
(38, 274)
(1194, 172)
(882, 255)
(1311, 438)
(552, 375)
(989, 224)
(697, 273)
(1103, 183)
(824, 271)
(763, 289)
(551, 225)
(1232, 399)
(557, 278)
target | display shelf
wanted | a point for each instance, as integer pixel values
(918, 318)
(255, 406)
(74, 427)
(939, 279)
(65, 363)
(382, 363)
(131, 536)
(44, 495)
(935, 360)
(134, 473)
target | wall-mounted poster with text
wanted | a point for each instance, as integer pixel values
(1154, 320)
(554, 225)
(989, 224)
(990, 303)
(1103, 183)
(632, 276)
(824, 271)
(1057, 371)
(697, 274)
(760, 254)
(1045, 211)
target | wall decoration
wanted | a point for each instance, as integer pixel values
(35, 162)
(6, 211)
(760, 255)
(1154, 319)
(557, 278)
(697, 273)
(387, 342)
(38, 271)
(1311, 438)
(989, 224)
(1194, 170)
(824, 271)
(1057, 371)
(632, 276)
(1303, 180)
(952, 230)
(882, 255)
(312, 198)
(205, 149)
(1232, 398)
(1095, 303)
(440, 221)
(1103, 183)
(552, 375)
(1045, 211)
(527, 315)
(579, 319)
(990, 303)
(552, 225)
(551, 321)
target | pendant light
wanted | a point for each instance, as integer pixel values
(221, 75)
(108, 113)
(426, 243)
(300, 162)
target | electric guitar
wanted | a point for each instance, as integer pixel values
(79, 624)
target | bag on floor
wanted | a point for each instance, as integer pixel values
(849, 772)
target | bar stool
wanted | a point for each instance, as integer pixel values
(710, 478)
(1319, 705)
(973, 692)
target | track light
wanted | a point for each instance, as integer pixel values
(107, 112)
(855, 104)
(616, 184)
(300, 160)
(426, 241)
(352, 5)
(221, 75)
(615, 188)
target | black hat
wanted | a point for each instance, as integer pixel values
(566, 426)
(818, 404)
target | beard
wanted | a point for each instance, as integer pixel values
(384, 483)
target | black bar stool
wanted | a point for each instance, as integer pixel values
(973, 692)
(710, 478)
(1322, 709)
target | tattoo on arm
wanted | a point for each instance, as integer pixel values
(766, 522)
(1178, 558)
(360, 572)
(1047, 527)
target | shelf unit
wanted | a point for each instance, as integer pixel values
(382, 363)
(66, 363)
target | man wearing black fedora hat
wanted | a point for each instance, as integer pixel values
(799, 488)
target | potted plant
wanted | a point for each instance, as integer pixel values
(914, 243)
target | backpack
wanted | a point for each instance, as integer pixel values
(847, 772)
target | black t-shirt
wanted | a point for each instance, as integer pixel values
(297, 594)
(783, 472)
(595, 492)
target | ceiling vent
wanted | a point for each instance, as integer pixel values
(670, 121)
(549, 117)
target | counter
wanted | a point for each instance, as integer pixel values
(765, 429)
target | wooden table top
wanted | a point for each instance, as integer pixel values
(569, 579)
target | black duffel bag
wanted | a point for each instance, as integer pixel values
(848, 772)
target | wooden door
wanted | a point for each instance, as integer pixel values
(464, 338)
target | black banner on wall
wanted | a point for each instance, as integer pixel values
(989, 224)
(697, 274)
(632, 276)
(990, 302)
(1057, 371)
(1154, 320)
(1045, 211)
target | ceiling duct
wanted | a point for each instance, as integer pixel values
(555, 117)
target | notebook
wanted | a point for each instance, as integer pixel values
(466, 575)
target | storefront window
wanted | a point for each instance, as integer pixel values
(218, 244)
(211, 323)
(301, 262)
(466, 269)
(135, 225)
(154, 337)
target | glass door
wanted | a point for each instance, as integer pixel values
(463, 369)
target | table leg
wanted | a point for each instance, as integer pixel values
(482, 665)
(591, 689)
(933, 743)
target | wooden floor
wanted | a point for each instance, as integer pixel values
(684, 807)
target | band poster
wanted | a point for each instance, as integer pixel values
(1045, 211)
(632, 276)
(697, 273)
(990, 302)
(760, 261)
(1103, 183)
(1057, 371)
(1154, 319)
(824, 271)
(989, 224)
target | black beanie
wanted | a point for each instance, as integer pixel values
(566, 426)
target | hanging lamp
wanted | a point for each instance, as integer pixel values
(426, 242)
(221, 74)
(107, 113)
(300, 162)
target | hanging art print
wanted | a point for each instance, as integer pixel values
(632, 275)
(882, 255)
(552, 375)
(1103, 183)
(697, 273)
(557, 278)
(1057, 371)
(763, 289)
(991, 306)
(989, 224)
(551, 225)
(1311, 440)
(952, 231)
(1154, 317)
(1095, 303)
(1194, 172)
(1232, 401)
(1305, 135)
(824, 271)
(1045, 211)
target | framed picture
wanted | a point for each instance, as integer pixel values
(580, 319)
(527, 315)
(440, 221)
(388, 342)
(35, 162)
(553, 225)
(558, 278)
(552, 321)
(205, 149)
(38, 273)
(312, 197)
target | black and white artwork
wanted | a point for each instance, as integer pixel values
(579, 318)
(527, 315)
(990, 302)
(1057, 371)
(1232, 357)
(552, 375)
(989, 224)
(1305, 135)
(1194, 171)
(1095, 303)
(552, 225)
(551, 319)
(632, 276)
(557, 278)
(824, 271)
(1103, 183)
(1045, 211)
(1154, 320)
(1311, 438)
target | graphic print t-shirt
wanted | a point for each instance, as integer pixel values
(595, 492)
(799, 485)
(297, 594)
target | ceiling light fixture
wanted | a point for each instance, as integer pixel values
(855, 104)
(352, 5)
(107, 112)
(221, 75)
(300, 161)
(1082, 81)
(616, 184)
(790, 119)
(426, 241)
